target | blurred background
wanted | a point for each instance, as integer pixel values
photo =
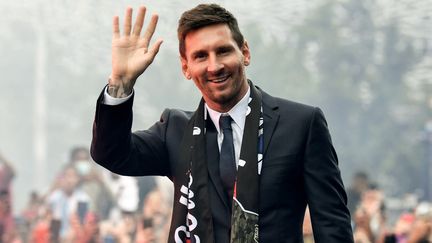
(366, 63)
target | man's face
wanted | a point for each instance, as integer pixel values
(217, 65)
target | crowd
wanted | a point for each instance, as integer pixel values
(371, 217)
(88, 204)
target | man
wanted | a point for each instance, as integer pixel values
(244, 164)
(64, 202)
(360, 184)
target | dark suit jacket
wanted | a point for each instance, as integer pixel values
(300, 167)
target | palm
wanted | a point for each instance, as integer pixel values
(131, 54)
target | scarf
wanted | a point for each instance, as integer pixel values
(192, 222)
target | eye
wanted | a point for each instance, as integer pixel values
(199, 56)
(224, 50)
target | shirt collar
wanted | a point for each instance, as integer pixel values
(237, 113)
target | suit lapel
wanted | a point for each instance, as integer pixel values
(271, 118)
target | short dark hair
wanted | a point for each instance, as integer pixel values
(76, 151)
(204, 15)
(361, 175)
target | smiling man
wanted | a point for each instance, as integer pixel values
(216, 63)
(245, 164)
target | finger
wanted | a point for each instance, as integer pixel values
(139, 21)
(116, 30)
(150, 29)
(127, 21)
(155, 48)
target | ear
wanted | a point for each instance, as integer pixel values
(246, 53)
(184, 66)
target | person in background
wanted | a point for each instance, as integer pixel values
(145, 185)
(79, 153)
(360, 183)
(421, 231)
(7, 174)
(7, 224)
(29, 214)
(92, 182)
(154, 220)
(84, 232)
(369, 217)
(66, 200)
(121, 223)
(401, 230)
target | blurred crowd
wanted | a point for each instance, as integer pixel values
(408, 220)
(374, 223)
(88, 204)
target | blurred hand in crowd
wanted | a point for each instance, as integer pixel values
(145, 234)
(362, 230)
(85, 232)
(420, 231)
(372, 201)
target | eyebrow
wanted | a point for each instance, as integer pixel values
(198, 52)
(226, 47)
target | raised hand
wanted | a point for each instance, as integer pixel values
(131, 54)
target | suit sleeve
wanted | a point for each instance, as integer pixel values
(324, 188)
(119, 150)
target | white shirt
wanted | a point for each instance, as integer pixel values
(237, 113)
(63, 206)
(109, 100)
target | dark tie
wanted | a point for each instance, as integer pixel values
(227, 165)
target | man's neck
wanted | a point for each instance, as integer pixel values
(237, 112)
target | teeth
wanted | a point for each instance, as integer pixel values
(219, 79)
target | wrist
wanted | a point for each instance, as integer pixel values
(119, 87)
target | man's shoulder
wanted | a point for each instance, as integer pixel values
(175, 118)
(291, 104)
(286, 106)
(177, 114)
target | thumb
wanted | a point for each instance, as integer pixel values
(155, 47)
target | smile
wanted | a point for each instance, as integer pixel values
(219, 79)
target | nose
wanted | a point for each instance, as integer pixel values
(214, 65)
